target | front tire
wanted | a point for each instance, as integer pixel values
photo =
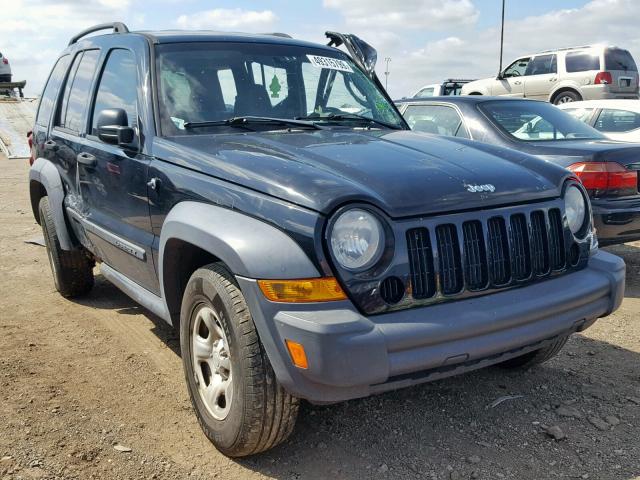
(537, 356)
(72, 269)
(238, 402)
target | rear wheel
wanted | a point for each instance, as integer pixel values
(537, 356)
(567, 97)
(239, 404)
(72, 269)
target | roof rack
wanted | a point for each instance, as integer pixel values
(278, 34)
(118, 27)
(567, 48)
(453, 80)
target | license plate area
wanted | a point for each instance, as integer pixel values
(624, 82)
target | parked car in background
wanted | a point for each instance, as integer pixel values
(451, 86)
(5, 69)
(617, 119)
(565, 75)
(608, 169)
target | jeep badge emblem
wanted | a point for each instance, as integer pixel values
(481, 188)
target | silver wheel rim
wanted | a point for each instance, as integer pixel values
(565, 99)
(212, 363)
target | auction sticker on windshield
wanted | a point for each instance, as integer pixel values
(330, 63)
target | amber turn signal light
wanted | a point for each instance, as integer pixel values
(325, 289)
(298, 356)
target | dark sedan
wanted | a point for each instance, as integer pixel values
(608, 169)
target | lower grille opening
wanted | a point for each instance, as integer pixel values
(392, 290)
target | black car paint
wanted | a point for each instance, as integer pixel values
(617, 219)
(294, 180)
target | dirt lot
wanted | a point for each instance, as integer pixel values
(78, 378)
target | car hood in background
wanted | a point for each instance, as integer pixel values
(402, 172)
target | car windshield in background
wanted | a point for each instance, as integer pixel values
(536, 121)
(204, 83)
(619, 59)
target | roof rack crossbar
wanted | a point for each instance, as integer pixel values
(567, 48)
(118, 27)
(277, 34)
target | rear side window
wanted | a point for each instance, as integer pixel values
(438, 119)
(118, 87)
(74, 104)
(582, 114)
(50, 93)
(618, 59)
(425, 92)
(612, 120)
(582, 61)
(541, 65)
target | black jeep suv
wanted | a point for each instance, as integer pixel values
(264, 196)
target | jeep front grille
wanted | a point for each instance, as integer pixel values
(476, 255)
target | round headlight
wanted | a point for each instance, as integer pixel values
(357, 239)
(575, 207)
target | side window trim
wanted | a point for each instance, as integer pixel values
(64, 94)
(57, 117)
(102, 64)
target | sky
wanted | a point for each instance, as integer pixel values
(427, 40)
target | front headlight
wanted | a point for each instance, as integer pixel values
(575, 207)
(357, 239)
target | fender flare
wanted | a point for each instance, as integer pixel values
(249, 247)
(45, 173)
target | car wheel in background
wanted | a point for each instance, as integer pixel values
(238, 402)
(566, 97)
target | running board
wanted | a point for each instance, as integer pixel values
(141, 295)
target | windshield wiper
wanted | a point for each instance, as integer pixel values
(251, 120)
(350, 116)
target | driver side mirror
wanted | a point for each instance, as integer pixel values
(113, 127)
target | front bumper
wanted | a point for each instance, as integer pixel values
(616, 221)
(353, 356)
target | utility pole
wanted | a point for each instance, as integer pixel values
(386, 73)
(501, 41)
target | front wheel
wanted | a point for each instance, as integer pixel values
(537, 356)
(239, 404)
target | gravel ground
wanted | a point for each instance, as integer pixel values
(94, 388)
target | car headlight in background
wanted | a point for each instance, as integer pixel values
(575, 207)
(357, 239)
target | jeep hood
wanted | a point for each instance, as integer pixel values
(402, 172)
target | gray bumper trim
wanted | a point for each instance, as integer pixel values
(351, 355)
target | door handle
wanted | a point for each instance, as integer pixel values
(50, 145)
(86, 159)
(517, 83)
(154, 183)
(553, 79)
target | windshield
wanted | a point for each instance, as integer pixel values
(209, 82)
(536, 121)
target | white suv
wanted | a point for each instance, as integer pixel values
(565, 75)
